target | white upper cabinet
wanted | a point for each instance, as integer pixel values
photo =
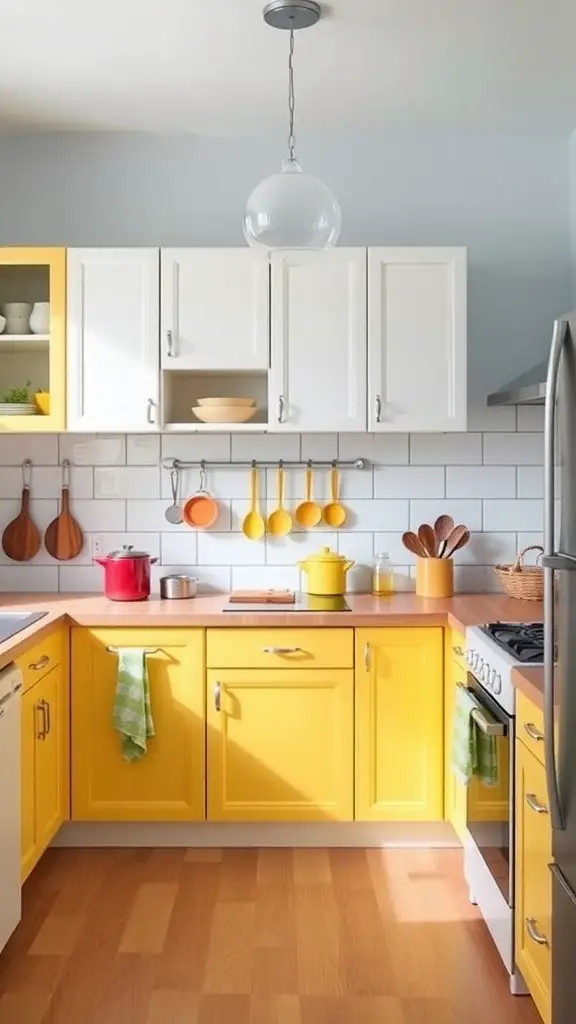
(417, 339)
(215, 309)
(318, 333)
(112, 339)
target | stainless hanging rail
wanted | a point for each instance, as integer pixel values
(179, 464)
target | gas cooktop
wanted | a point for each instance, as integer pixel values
(524, 641)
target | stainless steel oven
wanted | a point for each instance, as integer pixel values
(490, 809)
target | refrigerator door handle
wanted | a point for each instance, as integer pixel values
(558, 339)
(560, 562)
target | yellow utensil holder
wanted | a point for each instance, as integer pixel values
(434, 577)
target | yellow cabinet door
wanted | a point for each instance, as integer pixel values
(280, 744)
(399, 725)
(34, 361)
(167, 784)
(533, 880)
(455, 793)
(28, 821)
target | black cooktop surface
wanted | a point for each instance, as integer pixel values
(522, 640)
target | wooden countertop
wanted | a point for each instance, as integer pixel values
(459, 611)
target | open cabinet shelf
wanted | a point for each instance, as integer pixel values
(181, 390)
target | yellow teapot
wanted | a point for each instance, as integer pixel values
(326, 573)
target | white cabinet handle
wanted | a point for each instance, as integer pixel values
(367, 657)
(170, 343)
(150, 410)
(533, 732)
(378, 408)
(281, 650)
(281, 403)
(217, 696)
(535, 805)
(534, 932)
(36, 666)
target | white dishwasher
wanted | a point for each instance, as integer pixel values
(10, 801)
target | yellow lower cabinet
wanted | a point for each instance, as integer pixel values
(45, 764)
(280, 744)
(455, 793)
(167, 784)
(399, 724)
(533, 880)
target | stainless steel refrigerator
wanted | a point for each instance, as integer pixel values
(560, 656)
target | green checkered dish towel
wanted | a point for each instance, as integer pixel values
(132, 715)
(473, 752)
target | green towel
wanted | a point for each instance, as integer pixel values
(473, 752)
(132, 714)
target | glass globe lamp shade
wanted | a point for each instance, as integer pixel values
(292, 210)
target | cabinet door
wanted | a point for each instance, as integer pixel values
(215, 309)
(30, 726)
(533, 879)
(318, 357)
(52, 756)
(33, 339)
(113, 344)
(455, 793)
(417, 339)
(399, 725)
(280, 745)
(167, 784)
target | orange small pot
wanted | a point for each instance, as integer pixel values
(200, 511)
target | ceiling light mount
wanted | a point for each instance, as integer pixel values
(292, 14)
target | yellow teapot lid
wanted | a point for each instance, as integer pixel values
(326, 555)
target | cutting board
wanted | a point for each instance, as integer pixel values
(262, 597)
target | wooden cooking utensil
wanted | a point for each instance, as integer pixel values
(21, 539)
(63, 538)
(458, 538)
(427, 538)
(308, 512)
(442, 529)
(413, 544)
(280, 521)
(253, 525)
(334, 514)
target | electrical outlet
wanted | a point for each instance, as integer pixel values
(97, 548)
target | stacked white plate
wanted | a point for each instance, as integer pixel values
(17, 409)
(225, 410)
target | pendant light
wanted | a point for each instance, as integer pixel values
(292, 210)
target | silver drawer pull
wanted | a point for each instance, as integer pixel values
(41, 663)
(217, 696)
(534, 932)
(281, 650)
(367, 657)
(535, 805)
(458, 652)
(533, 732)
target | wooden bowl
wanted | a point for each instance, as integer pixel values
(223, 413)
(247, 402)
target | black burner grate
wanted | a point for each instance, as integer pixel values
(523, 640)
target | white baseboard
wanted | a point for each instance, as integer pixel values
(357, 834)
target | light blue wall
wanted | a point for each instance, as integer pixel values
(505, 198)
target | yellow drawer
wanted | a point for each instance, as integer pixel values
(280, 648)
(533, 880)
(530, 725)
(458, 650)
(45, 655)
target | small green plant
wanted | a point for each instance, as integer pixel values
(17, 396)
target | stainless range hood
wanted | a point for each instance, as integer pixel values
(528, 389)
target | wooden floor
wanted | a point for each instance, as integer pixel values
(253, 937)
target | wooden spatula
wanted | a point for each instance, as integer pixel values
(63, 538)
(21, 539)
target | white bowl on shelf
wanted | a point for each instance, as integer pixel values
(224, 413)
(17, 409)
(240, 402)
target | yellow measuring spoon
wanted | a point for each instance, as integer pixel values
(280, 521)
(308, 513)
(334, 514)
(253, 525)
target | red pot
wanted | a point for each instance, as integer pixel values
(126, 574)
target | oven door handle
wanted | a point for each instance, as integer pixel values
(487, 724)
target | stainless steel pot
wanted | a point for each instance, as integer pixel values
(176, 588)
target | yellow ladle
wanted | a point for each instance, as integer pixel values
(308, 513)
(280, 521)
(334, 514)
(253, 525)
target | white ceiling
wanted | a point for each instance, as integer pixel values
(214, 67)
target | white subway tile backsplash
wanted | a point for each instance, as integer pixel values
(469, 579)
(409, 482)
(492, 418)
(297, 546)
(380, 449)
(47, 482)
(353, 483)
(359, 547)
(445, 449)
(143, 449)
(93, 450)
(127, 482)
(265, 447)
(41, 449)
(517, 515)
(369, 516)
(529, 539)
(179, 547)
(211, 579)
(80, 579)
(99, 516)
(229, 549)
(222, 484)
(28, 579)
(530, 417)
(319, 447)
(194, 447)
(267, 577)
(530, 481)
(487, 549)
(104, 543)
(480, 481)
(467, 512)
(513, 449)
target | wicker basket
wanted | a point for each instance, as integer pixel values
(523, 581)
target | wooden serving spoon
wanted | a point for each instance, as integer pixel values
(413, 544)
(442, 529)
(21, 539)
(427, 538)
(458, 538)
(63, 538)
